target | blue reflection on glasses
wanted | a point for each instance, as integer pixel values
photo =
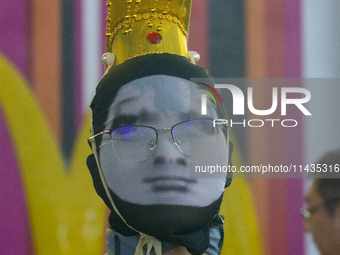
(174, 131)
(126, 131)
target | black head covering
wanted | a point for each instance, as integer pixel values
(196, 237)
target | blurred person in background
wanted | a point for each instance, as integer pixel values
(322, 214)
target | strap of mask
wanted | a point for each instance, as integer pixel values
(150, 241)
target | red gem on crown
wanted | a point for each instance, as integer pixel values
(154, 38)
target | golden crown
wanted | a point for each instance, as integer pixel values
(140, 27)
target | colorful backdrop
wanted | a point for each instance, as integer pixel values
(50, 64)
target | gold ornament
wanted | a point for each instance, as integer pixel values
(139, 27)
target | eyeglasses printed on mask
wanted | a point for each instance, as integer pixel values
(135, 143)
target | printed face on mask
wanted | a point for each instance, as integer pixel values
(157, 135)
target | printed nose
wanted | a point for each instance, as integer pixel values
(167, 152)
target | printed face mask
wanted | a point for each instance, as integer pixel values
(156, 137)
(140, 159)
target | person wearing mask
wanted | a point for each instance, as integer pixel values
(148, 135)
